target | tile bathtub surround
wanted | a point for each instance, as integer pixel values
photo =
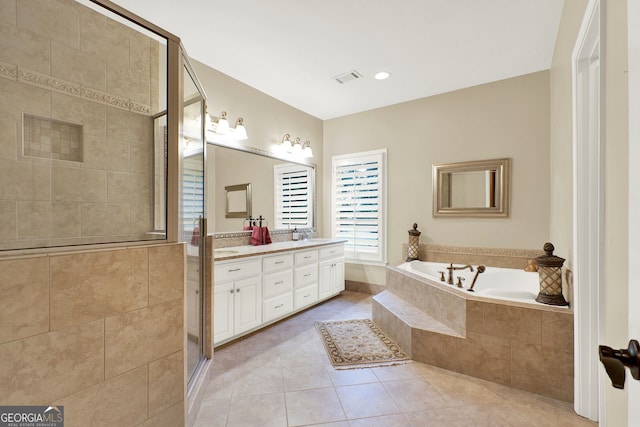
(110, 349)
(530, 348)
(310, 391)
(495, 257)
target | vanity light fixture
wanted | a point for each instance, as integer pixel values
(295, 148)
(220, 126)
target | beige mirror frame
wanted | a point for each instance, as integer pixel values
(238, 201)
(472, 189)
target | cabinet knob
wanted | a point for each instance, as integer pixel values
(231, 291)
(238, 290)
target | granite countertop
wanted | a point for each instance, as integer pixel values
(234, 252)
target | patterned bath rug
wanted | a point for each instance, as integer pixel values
(359, 343)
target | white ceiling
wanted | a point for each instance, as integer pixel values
(291, 49)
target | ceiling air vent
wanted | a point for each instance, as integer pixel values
(347, 77)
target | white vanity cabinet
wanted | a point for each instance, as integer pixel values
(237, 301)
(305, 278)
(277, 279)
(257, 290)
(331, 270)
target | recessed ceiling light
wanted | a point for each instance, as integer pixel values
(382, 75)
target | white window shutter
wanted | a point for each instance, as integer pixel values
(293, 191)
(359, 205)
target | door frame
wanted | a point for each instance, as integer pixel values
(587, 62)
(633, 46)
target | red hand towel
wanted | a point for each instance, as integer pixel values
(266, 237)
(256, 236)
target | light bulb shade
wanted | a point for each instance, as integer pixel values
(306, 151)
(222, 126)
(286, 143)
(297, 147)
(240, 131)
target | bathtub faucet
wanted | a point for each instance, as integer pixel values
(481, 269)
(451, 268)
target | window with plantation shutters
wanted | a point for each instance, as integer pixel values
(359, 205)
(293, 191)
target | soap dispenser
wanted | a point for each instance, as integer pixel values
(296, 235)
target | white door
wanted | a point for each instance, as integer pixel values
(247, 304)
(223, 312)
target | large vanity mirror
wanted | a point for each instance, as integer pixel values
(472, 189)
(281, 190)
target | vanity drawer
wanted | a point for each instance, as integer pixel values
(228, 272)
(275, 307)
(306, 276)
(306, 257)
(305, 296)
(277, 283)
(277, 262)
(332, 252)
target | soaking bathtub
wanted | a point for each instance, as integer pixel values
(497, 283)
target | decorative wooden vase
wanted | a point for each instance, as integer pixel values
(414, 243)
(550, 276)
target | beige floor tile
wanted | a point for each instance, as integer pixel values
(417, 394)
(396, 372)
(470, 416)
(366, 400)
(266, 410)
(288, 362)
(305, 378)
(342, 377)
(397, 420)
(213, 413)
(313, 407)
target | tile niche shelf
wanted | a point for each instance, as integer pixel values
(51, 139)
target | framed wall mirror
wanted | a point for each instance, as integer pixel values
(472, 189)
(238, 201)
(282, 189)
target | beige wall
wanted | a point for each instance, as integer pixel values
(266, 120)
(508, 118)
(62, 61)
(561, 145)
(98, 332)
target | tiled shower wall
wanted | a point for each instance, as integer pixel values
(63, 61)
(98, 332)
